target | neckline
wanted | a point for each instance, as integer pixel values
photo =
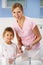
(8, 44)
(22, 25)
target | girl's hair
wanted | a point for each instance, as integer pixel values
(8, 29)
(15, 5)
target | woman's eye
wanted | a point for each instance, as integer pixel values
(13, 12)
(18, 11)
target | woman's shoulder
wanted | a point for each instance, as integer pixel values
(30, 20)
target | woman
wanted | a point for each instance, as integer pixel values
(27, 32)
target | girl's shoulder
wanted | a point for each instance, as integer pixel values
(1, 45)
(14, 44)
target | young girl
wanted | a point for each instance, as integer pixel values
(8, 48)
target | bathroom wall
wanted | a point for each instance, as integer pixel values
(32, 9)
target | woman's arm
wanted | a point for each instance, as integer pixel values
(38, 38)
(38, 35)
(19, 42)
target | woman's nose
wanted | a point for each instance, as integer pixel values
(16, 14)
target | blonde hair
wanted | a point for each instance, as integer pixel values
(17, 5)
(8, 29)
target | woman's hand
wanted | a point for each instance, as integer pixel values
(29, 47)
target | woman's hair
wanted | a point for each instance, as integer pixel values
(15, 5)
(8, 29)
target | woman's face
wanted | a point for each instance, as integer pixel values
(17, 13)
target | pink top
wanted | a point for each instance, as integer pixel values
(26, 34)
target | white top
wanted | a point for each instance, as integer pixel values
(7, 51)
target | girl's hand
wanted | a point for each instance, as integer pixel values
(20, 51)
(10, 61)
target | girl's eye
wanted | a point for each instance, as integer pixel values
(11, 35)
(7, 35)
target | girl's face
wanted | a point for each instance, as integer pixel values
(8, 36)
(17, 13)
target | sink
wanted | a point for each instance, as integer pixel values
(33, 62)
